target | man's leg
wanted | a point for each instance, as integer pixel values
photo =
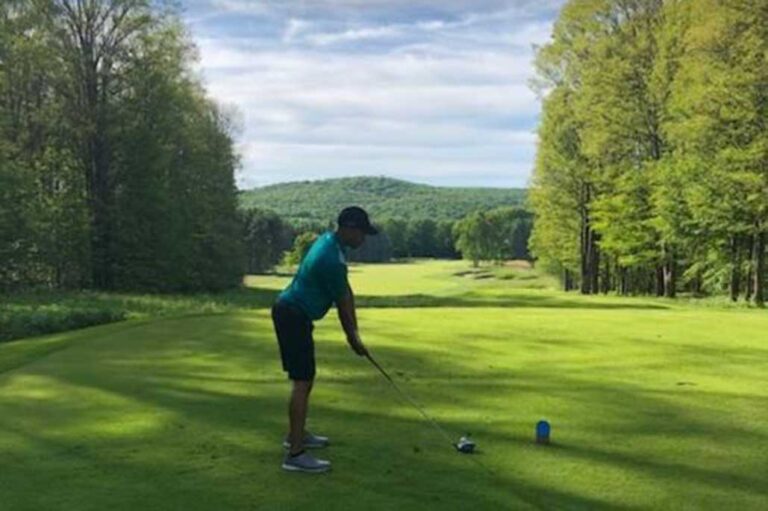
(296, 460)
(297, 414)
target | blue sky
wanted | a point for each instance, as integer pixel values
(432, 91)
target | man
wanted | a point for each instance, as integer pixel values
(320, 282)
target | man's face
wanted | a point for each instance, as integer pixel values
(356, 238)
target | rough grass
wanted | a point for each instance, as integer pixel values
(653, 404)
(42, 312)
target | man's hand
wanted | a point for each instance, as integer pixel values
(348, 318)
(357, 345)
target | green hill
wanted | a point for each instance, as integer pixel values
(383, 197)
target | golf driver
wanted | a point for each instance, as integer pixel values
(464, 445)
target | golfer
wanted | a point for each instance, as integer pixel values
(320, 282)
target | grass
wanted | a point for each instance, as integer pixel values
(653, 404)
(42, 312)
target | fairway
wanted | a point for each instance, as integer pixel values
(653, 404)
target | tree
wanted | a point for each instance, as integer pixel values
(267, 237)
(512, 229)
(653, 137)
(560, 194)
(122, 169)
(563, 66)
(473, 236)
(445, 244)
(91, 40)
(17, 228)
(301, 246)
(376, 249)
(720, 105)
(421, 235)
(396, 230)
(46, 243)
(497, 235)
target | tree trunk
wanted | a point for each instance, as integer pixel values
(696, 285)
(590, 262)
(623, 281)
(606, 279)
(584, 236)
(594, 273)
(659, 285)
(590, 259)
(652, 279)
(91, 45)
(759, 276)
(567, 280)
(749, 278)
(735, 269)
(670, 279)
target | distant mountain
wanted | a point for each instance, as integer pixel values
(320, 201)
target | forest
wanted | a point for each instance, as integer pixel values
(116, 168)
(652, 169)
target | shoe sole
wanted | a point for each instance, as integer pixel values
(307, 446)
(294, 468)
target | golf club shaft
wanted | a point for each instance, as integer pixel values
(410, 400)
(422, 412)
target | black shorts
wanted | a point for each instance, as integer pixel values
(294, 336)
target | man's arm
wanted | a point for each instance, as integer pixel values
(354, 307)
(348, 319)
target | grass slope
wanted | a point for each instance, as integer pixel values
(654, 405)
(321, 201)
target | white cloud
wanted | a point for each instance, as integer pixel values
(294, 28)
(427, 99)
(356, 35)
(241, 6)
(455, 6)
(509, 16)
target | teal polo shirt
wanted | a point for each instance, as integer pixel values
(321, 279)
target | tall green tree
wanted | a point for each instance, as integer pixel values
(720, 105)
(92, 41)
(267, 238)
(652, 145)
(560, 194)
(474, 237)
(120, 172)
(422, 238)
(397, 232)
(45, 244)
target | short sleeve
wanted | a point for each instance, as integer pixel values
(335, 279)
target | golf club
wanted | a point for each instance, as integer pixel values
(464, 445)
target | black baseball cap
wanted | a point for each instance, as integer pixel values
(356, 217)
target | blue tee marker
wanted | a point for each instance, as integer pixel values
(542, 432)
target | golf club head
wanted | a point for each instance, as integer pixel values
(465, 445)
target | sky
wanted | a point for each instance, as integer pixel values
(431, 91)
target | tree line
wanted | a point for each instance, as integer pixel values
(496, 235)
(652, 170)
(116, 169)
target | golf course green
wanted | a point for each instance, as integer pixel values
(654, 404)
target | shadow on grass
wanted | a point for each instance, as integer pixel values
(260, 298)
(218, 396)
(523, 300)
(34, 314)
